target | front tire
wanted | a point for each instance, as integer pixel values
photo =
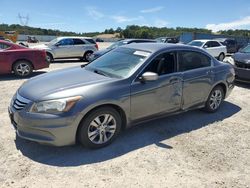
(22, 68)
(215, 99)
(221, 57)
(49, 57)
(99, 128)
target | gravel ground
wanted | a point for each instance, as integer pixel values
(193, 149)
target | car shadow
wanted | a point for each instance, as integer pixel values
(7, 77)
(242, 84)
(153, 132)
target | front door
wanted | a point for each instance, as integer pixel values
(159, 96)
(64, 49)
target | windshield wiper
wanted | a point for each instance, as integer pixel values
(100, 72)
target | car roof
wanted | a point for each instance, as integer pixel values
(74, 37)
(129, 40)
(206, 40)
(154, 47)
(223, 39)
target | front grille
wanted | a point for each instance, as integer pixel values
(20, 102)
(242, 65)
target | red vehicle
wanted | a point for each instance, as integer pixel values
(20, 60)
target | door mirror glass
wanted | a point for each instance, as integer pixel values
(205, 46)
(150, 76)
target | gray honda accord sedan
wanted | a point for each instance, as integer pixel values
(130, 84)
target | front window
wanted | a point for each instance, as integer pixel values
(246, 49)
(196, 43)
(119, 63)
(54, 41)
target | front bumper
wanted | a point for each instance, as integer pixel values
(44, 128)
(242, 74)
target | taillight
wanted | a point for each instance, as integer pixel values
(96, 45)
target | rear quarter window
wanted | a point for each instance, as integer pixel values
(91, 41)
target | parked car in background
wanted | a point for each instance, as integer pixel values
(172, 40)
(241, 62)
(32, 39)
(231, 44)
(130, 84)
(99, 40)
(99, 53)
(213, 47)
(20, 60)
(69, 47)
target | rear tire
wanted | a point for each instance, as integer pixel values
(99, 128)
(22, 68)
(87, 56)
(215, 99)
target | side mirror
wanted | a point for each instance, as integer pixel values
(205, 46)
(57, 44)
(149, 76)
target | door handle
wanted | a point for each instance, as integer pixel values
(173, 80)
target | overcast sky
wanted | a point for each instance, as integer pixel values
(97, 15)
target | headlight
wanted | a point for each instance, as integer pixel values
(55, 106)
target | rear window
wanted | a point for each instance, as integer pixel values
(3, 46)
(78, 42)
(91, 41)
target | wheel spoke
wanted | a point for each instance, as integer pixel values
(107, 119)
(105, 139)
(97, 120)
(100, 141)
(94, 124)
(94, 133)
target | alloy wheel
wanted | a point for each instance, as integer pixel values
(102, 129)
(215, 99)
(23, 69)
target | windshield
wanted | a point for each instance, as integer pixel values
(246, 49)
(117, 44)
(119, 63)
(54, 41)
(196, 43)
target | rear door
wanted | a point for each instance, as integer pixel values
(78, 50)
(159, 96)
(197, 77)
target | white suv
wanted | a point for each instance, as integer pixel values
(69, 47)
(213, 47)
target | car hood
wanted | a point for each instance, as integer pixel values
(63, 83)
(242, 57)
(40, 46)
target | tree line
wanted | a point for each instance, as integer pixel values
(131, 31)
